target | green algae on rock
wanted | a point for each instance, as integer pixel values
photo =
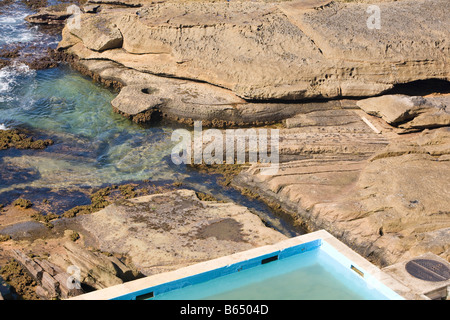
(98, 201)
(19, 280)
(15, 139)
(4, 237)
(105, 196)
(22, 203)
(45, 219)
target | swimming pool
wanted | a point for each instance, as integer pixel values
(314, 266)
(313, 274)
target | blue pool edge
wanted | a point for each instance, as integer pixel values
(148, 287)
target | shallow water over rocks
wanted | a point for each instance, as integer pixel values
(93, 147)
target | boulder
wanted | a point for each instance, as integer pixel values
(98, 32)
(409, 112)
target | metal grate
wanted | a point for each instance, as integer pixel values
(428, 270)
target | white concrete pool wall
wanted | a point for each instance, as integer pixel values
(383, 282)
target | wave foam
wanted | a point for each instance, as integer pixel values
(9, 78)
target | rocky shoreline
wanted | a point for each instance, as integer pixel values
(126, 240)
(369, 165)
(337, 136)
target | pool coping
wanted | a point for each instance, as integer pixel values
(347, 256)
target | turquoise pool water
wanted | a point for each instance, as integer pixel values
(311, 275)
(311, 271)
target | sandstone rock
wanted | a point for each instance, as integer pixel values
(50, 284)
(96, 269)
(56, 14)
(68, 39)
(42, 293)
(429, 142)
(316, 118)
(98, 32)
(5, 290)
(144, 95)
(32, 267)
(49, 267)
(120, 3)
(394, 109)
(92, 8)
(124, 272)
(66, 290)
(268, 51)
(387, 201)
(409, 112)
(438, 115)
(189, 101)
(167, 231)
(373, 190)
(432, 119)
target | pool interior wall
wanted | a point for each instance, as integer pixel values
(226, 282)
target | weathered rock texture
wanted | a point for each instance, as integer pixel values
(409, 113)
(264, 51)
(342, 169)
(386, 195)
(56, 14)
(168, 231)
(52, 281)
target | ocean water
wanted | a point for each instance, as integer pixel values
(94, 147)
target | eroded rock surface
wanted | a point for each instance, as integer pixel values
(130, 239)
(56, 14)
(409, 113)
(342, 168)
(266, 51)
(384, 194)
(168, 231)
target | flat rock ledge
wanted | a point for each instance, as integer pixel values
(131, 239)
(51, 15)
(272, 50)
(380, 188)
(223, 62)
(168, 231)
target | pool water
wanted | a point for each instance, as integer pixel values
(312, 275)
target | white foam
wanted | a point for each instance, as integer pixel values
(3, 127)
(9, 78)
(13, 27)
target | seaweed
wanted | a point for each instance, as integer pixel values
(23, 203)
(19, 280)
(18, 140)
